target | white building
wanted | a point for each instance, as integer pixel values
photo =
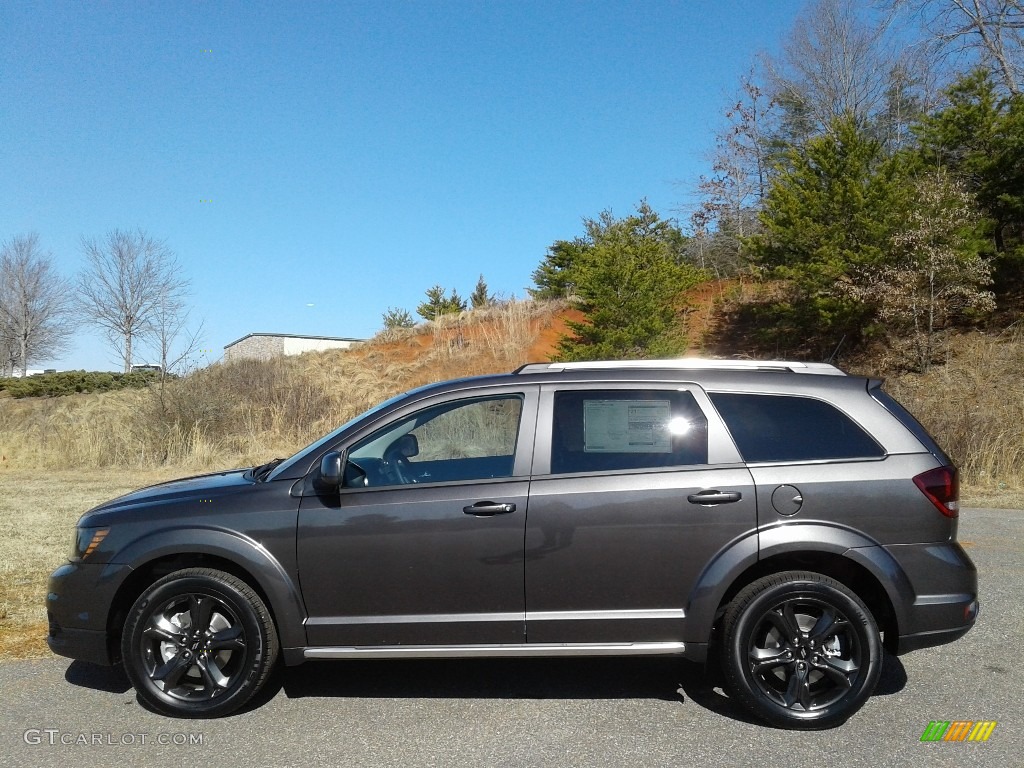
(263, 346)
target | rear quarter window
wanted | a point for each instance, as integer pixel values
(789, 428)
(907, 420)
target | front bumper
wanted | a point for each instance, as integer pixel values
(78, 604)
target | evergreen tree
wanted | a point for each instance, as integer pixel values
(438, 304)
(628, 275)
(480, 297)
(553, 277)
(979, 137)
(397, 318)
(828, 216)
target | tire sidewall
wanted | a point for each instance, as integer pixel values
(255, 651)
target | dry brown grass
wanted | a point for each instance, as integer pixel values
(247, 411)
(61, 456)
(38, 511)
(974, 405)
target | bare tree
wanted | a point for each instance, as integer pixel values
(128, 277)
(34, 304)
(992, 30)
(8, 343)
(8, 352)
(837, 64)
(168, 325)
(935, 274)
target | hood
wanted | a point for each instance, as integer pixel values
(174, 491)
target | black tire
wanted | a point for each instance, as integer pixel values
(198, 643)
(800, 650)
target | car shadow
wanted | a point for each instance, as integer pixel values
(614, 678)
(664, 679)
(671, 680)
(97, 677)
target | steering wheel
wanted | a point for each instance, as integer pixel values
(397, 466)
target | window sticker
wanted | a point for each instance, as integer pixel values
(627, 426)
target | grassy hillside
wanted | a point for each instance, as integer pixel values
(245, 412)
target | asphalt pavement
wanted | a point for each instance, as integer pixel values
(603, 712)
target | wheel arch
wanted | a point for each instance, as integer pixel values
(847, 556)
(158, 556)
(847, 571)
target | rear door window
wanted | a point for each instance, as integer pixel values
(788, 428)
(602, 430)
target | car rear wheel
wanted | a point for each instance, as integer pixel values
(800, 650)
(198, 643)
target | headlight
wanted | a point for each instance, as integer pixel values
(87, 540)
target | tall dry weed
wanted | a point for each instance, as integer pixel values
(974, 406)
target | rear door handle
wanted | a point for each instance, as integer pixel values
(488, 508)
(714, 497)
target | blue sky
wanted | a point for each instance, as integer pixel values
(354, 154)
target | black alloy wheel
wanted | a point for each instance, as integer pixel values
(198, 643)
(800, 650)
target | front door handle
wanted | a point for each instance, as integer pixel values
(714, 497)
(488, 508)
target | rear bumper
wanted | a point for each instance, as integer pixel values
(945, 587)
(908, 643)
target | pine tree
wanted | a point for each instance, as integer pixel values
(438, 304)
(397, 318)
(628, 275)
(979, 136)
(480, 297)
(827, 217)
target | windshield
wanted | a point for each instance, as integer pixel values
(314, 448)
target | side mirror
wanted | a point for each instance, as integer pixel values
(330, 469)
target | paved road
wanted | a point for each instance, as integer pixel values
(630, 712)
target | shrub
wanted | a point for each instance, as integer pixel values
(72, 382)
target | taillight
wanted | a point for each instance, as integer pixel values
(942, 487)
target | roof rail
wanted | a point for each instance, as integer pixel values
(685, 363)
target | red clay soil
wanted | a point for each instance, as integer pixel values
(701, 308)
(548, 330)
(701, 312)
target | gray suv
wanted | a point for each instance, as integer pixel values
(791, 518)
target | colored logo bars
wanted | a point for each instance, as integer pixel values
(958, 730)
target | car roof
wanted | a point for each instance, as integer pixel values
(756, 376)
(686, 363)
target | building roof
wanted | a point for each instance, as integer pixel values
(291, 336)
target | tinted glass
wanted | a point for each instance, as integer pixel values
(462, 440)
(785, 428)
(907, 420)
(473, 429)
(626, 429)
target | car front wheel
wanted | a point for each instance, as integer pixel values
(198, 643)
(800, 650)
